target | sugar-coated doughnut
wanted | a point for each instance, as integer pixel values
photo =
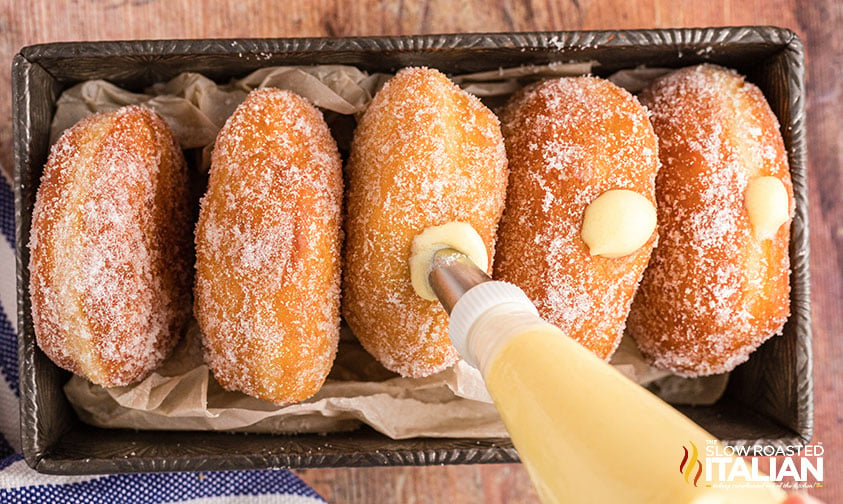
(425, 153)
(268, 250)
(715, 288)
(110, 247)
(571, 141)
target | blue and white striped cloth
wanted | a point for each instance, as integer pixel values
(19, 483)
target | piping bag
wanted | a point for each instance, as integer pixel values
(584, 431)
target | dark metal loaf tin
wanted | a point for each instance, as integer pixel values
(769, 399)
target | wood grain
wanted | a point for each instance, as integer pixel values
(817, 22)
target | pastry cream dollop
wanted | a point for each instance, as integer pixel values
(767, 204)
(617, 223)
(456, 235)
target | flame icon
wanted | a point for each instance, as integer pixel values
(686, 467)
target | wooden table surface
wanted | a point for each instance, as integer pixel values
(818, 23)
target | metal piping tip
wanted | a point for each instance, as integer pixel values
(452, 275)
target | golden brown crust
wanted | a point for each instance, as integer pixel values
(712, 293)
(110, 247)
(569, 140)
(425, 153)
(268, 250)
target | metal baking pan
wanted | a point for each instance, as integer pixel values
(769, 399)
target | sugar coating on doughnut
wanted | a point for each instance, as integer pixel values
(268, 247)
(110, 247)
(712, 293)
(425, 153)
(569, 141)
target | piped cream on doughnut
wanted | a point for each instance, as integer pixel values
(718, 283)
(767, 204)
(583, 160)
(454, 235)
(617, 223)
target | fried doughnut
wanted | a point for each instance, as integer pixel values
(268, 250)
(717, 285)
(110, 247)
(578, 146)
(424, 154)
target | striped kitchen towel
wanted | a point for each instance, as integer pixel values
(19, 483)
